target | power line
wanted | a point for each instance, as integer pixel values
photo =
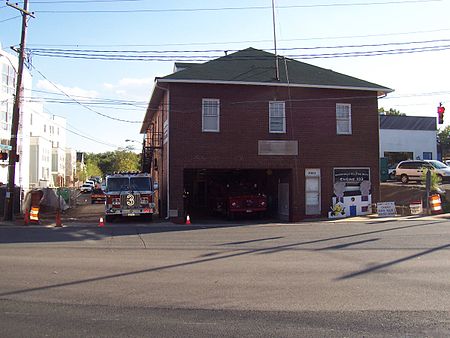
(93, 104)
(161, 55)
(107, 52)
(96, 99)
(212, 9)
(78, 132)
(12, 18)
(246, 41)
(83, 105)
(82, 2)
(203, 58)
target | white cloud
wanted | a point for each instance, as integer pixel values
(71, 91)
(129, 82)
(108, 86)
(131, 88)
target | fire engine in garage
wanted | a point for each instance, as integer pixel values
(129, 194)
(240, 199)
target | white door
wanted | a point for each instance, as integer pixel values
(283, 201)
(312, 192)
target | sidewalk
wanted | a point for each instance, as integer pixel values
(375, 217)
(49, 220)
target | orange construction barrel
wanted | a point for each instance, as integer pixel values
(435, 204)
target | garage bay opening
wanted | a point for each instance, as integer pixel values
(233, 193)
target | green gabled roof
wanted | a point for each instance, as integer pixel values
(257, 67)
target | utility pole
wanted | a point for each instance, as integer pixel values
(9, 198)
(277, 69)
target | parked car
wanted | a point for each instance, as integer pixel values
(86, 187)
(412, 170)
(391, 172)
(98, 196)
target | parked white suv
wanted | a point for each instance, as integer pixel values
(412, 170)
(86, 187)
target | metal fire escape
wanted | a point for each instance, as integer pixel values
(152, 142)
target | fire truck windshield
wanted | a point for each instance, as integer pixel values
(140, 184)
(129, 183)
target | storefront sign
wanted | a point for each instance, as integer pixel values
(351, 175)
(312, 172)
(269, 147)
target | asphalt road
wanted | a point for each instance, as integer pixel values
(337, 279)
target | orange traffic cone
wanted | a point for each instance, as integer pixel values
(101, 223)
(58, 219)
(188, 220)
(26, 217)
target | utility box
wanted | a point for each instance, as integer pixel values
(16, 207)
(384, 172)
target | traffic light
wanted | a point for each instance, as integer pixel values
(441, 111)
(3, 156)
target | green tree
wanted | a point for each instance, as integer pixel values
(443, 140)
(435, 180)
(92, 168)
(126, 160)
(391, 111)
(105, 163)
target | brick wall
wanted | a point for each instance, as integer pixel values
(310, 119)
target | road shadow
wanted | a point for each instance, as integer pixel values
(243, 252)
(79, 233)
(391, 263)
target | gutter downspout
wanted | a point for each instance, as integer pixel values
(168, 146)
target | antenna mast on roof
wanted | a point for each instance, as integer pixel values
(277, 70)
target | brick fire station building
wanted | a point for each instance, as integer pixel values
(308, 139)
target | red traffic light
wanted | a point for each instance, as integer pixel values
(3, 156)
(440, 111)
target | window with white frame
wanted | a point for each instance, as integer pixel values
(210, 115)
(277, 117)
(343, 119)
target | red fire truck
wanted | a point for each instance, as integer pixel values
(129, 194)
(240, 199)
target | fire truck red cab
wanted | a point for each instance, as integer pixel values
(240, 199)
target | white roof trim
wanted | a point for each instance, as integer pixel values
(379, 89)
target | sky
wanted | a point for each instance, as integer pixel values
(94, 62)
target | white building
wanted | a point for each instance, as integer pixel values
(41, 144)
(48, 151)
(40, 162)
(407, 137)
(71, 167)
(57, 128)
(8, 69)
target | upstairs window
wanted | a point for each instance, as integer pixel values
(210, 115)
(277, 117)
(343, 119)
